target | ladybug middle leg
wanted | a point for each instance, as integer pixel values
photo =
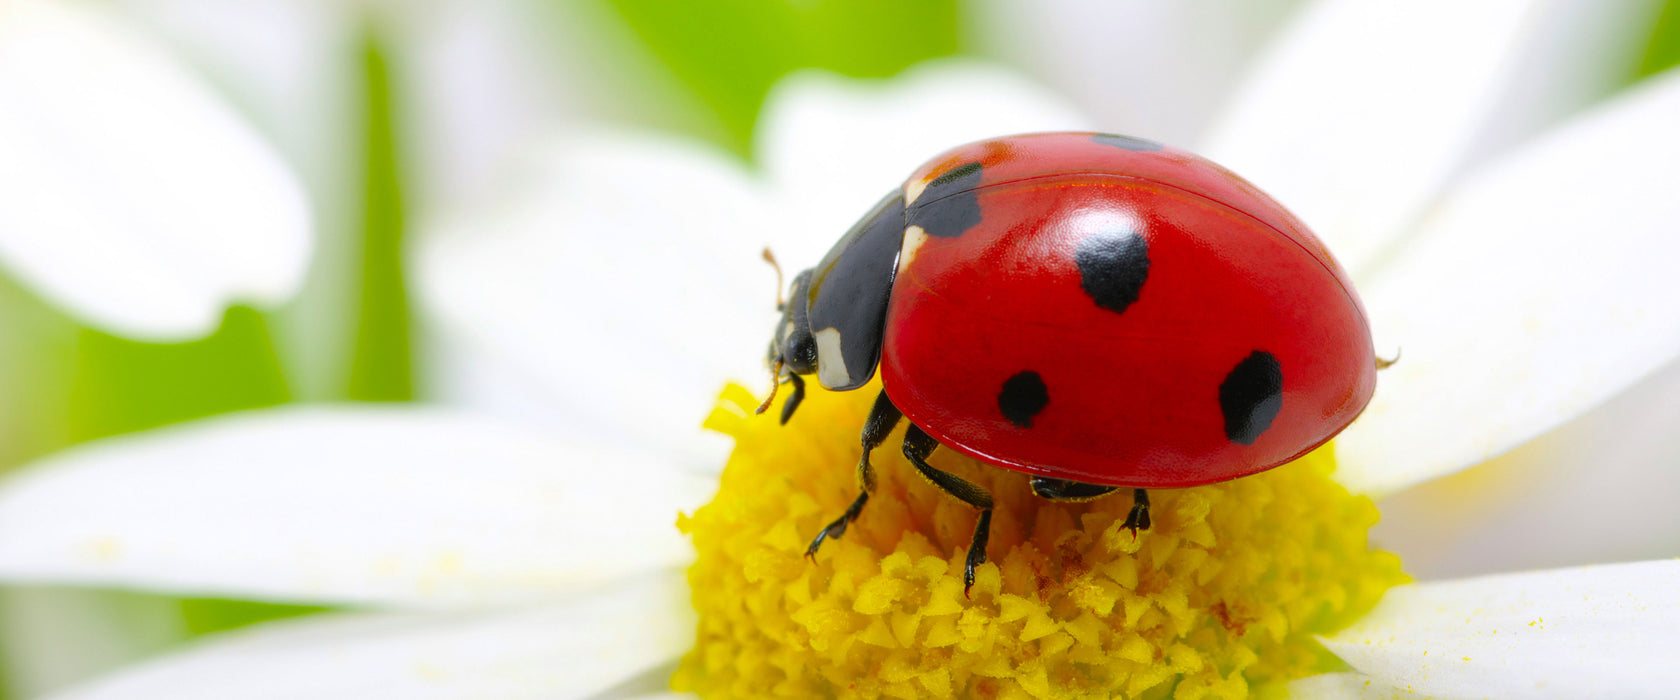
(882, 417)
(917, 446)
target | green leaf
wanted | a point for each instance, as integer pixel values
(381, 367)
(1662, 51)
(207, 615)
(122, 385)
(730, 52)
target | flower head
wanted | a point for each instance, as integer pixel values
(1224, 592)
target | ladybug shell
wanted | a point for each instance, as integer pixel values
(1107, 310)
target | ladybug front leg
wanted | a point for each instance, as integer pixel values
(882, 418)
(917, 446)
(792, 403)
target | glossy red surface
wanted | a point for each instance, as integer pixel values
(1134, 396)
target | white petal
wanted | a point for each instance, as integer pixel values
(571, 650)
(833, 146)
(622, 273)
(1347, 686)
(285, 61)
(409, 507)
(1598, 489)
(479, 85)
(1604, 631)
(1541, 287)
(294, 68)
(1151, 69)
(135, 199)
(1362, 110)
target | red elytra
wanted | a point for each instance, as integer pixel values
(1097, 311)
(1133, 395)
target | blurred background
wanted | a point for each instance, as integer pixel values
(391, 114)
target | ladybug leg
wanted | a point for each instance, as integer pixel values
(917, 446)
(1138, 519)
(1067, 490)
(792, 403)
(882, 418)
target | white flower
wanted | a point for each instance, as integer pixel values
(592, 313)
(132, 197)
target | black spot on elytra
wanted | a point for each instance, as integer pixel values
(1250, 396)
(1022, 397)
(949, 205)
(1130, 143)
(1113, 265)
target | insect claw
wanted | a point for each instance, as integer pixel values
(1385, 364)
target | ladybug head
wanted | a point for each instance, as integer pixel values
(792, 344)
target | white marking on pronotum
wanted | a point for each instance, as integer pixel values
(913, 189)
(914, 237)
(831, 363)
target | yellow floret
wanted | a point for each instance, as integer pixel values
(1220, 599)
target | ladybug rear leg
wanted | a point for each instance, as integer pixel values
(1138, 519)
(917, 446)
(882, 418)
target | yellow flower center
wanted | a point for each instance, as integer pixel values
(1219, 599)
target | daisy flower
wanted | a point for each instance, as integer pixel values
(520, 544)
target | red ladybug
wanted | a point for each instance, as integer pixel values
(1095, 310)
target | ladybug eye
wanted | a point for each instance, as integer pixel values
(800, 351)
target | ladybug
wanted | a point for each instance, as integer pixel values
(1096, 311)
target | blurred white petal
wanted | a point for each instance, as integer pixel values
(1139, 67)
(574, 649)
(484, 78)
(482, 382)
(1541, 287)
(1362, 110)
(622, 272)
(135, 199)
(292, 66)
(833, 146)
(479, 76)
(410, 507)
(1600, 488)
(1347, 686)
(1603, 631)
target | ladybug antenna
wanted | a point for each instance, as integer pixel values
(770, 257)
(775, 375)
(1385, 364)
